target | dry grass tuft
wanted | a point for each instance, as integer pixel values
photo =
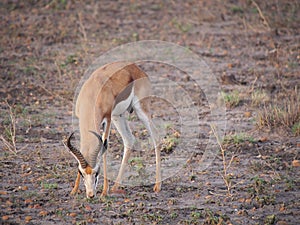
(284, 114)
(232, 99)
(259, 97)
(9, 137)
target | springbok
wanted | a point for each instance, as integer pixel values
(105, 96)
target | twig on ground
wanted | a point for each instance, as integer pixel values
(81, 27)
(58, 69)
(253, 85)
(225, 175)
(8, 145)
(261, 14)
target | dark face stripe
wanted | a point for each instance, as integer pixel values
(96, 178)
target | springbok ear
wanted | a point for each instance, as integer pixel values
(97, 135)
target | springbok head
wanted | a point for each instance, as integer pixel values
(88, 171)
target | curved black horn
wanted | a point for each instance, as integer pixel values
(97, 150)
(77, 154)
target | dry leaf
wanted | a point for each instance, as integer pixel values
(127, 200)
(241, 200)
(73, 214)
(207, 184)
(176, 134)
(281, 223)
(296, 163)
(248, 200)
(247, 114)
(3, 193)
(282, 208)
(43, 213)
(241, 212)
(119, 192)
(208, 197)
(37, 206)
(87, 207)
(28, 218)
(24, 188)
(5, 217)
(91, 220)
(263, 139)
(197, 195)
(27, 201)
(8, 202)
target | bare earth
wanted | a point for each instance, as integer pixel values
(252, 48)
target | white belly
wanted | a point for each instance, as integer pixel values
(122, 106)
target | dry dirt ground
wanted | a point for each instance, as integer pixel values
(252, 48)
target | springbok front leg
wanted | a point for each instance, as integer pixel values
(105, 179)
(128, 140)
(104, 158)
(77, 182)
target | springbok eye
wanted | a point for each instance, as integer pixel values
(80, 173)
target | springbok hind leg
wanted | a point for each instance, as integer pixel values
(143, 114)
